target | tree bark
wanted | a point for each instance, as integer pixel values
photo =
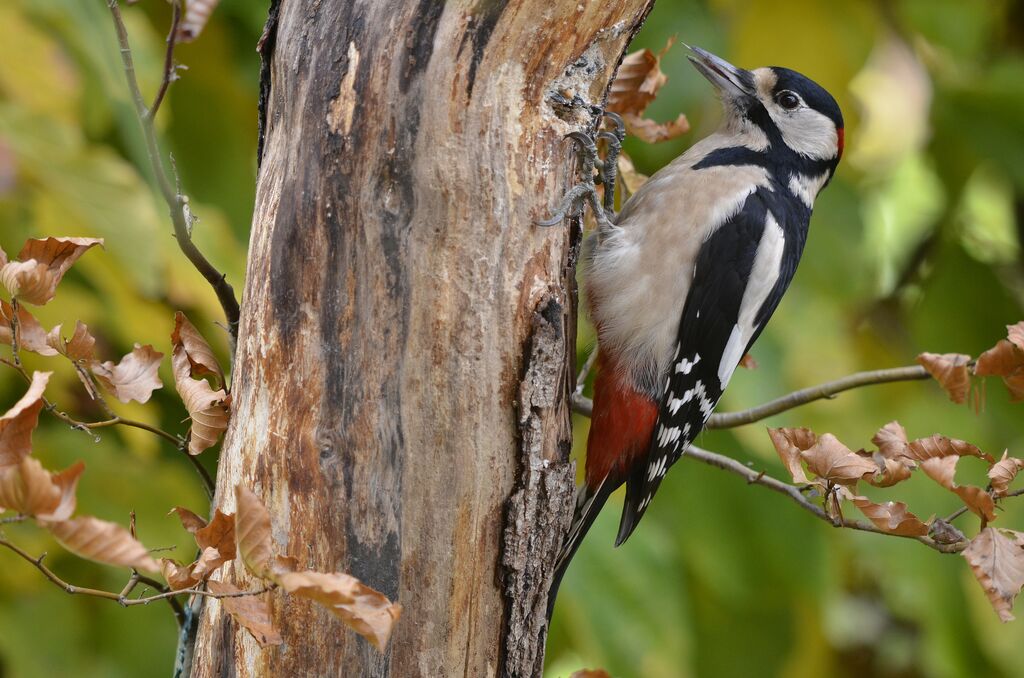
(401, 384)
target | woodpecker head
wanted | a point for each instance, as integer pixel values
(786, 113)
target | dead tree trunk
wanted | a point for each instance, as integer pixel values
(402, 374)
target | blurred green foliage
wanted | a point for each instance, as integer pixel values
(915, 246)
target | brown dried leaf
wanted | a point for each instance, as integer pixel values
(629, 176)
(17, 424)
(789, 443)
(950, 370)
(941, 446)
(31, 490)
(252, 532)
(219, 535)
(892, 517)
(652, 132)
(197, 13)
(1005, 360)
(134, 378)
(250, 612)
(103, 542)
(208, 409)
(31, 335)
(42, 263)
(190, 521)
(178, 576)
(891, 440)
(1002, 473)
(200, 356)
(637, 81)
(591, 673)
(832, 460)
(943, 471)
(207, 563)
(1015, 333)
(747, 362)
(891, 471)
(996, 558)
(80, 346)
(366, 611)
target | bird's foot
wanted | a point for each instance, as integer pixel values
(593, 171)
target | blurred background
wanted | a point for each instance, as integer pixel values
(915, 246)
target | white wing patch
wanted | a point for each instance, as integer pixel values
(763, 276)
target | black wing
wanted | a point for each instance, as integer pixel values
(692, 387)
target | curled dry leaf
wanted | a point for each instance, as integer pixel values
(1006, 360)
(628, 174)
(790, 443)
(652, 132)
(190, 521)
(996, 558)
(830, 459)
(943, 470)
(208, 409)
(891, 440)
(892, 517)
(104, 542)
(950, 370)
(197, 13)
(366, 611)
(80, 347)
(17, 424)
(945, 533)
(219, 535)
(1002, 473)
(747, 362)
(176, 575)
(1015, 333)
(200, 356)
(31, 335)
(941, 446)
(41, 265)
(31, 490)
(637, 81)
(252, 532)
(134, 378)
(891, 471)
(252, 613)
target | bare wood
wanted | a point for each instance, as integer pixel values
(400, 397)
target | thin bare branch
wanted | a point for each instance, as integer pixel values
(169, 68)
(793, 400)
(793, 492)
(176, 202)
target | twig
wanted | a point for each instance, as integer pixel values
(581, 379)
(172, 39)
(174, 199)
(123, 600)
(793, 492)
(829, 389)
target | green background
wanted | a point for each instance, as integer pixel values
(915, 246)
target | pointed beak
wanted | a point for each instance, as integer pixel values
(735, 85)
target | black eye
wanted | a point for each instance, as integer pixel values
(788, 100)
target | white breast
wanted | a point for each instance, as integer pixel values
(639, 277)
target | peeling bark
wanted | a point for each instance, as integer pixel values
(402, 378)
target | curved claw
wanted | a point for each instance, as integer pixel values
(620, 125)
(584, 141)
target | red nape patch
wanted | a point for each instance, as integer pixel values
(841, 140)
(621, 426)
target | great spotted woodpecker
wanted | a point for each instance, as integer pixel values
(682, 281)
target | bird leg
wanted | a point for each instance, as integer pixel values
(593, 170)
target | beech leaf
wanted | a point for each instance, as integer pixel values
(103, 542)
(1002, 473)
(891, 471)
(134, 378)
(41, 265)
(1006, 360)
(252, 613)
(637, 81)
(789, 444)
(996, 558)
(200, 356)
(31, 335)
(652, 132)
(189, 520)
(366, 611)
(892, 517)
(950, 370)
(178, 576)
(31, 490)
(832, 460)
(219, 535)
(80, 347)
(208, 409)
(252, 532)
(943, 470)
(628, 174)
(1015, 333)
(941, 446)
(17, 424)
(891, 440)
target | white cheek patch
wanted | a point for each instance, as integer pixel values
(807, 132)
(807, 188)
